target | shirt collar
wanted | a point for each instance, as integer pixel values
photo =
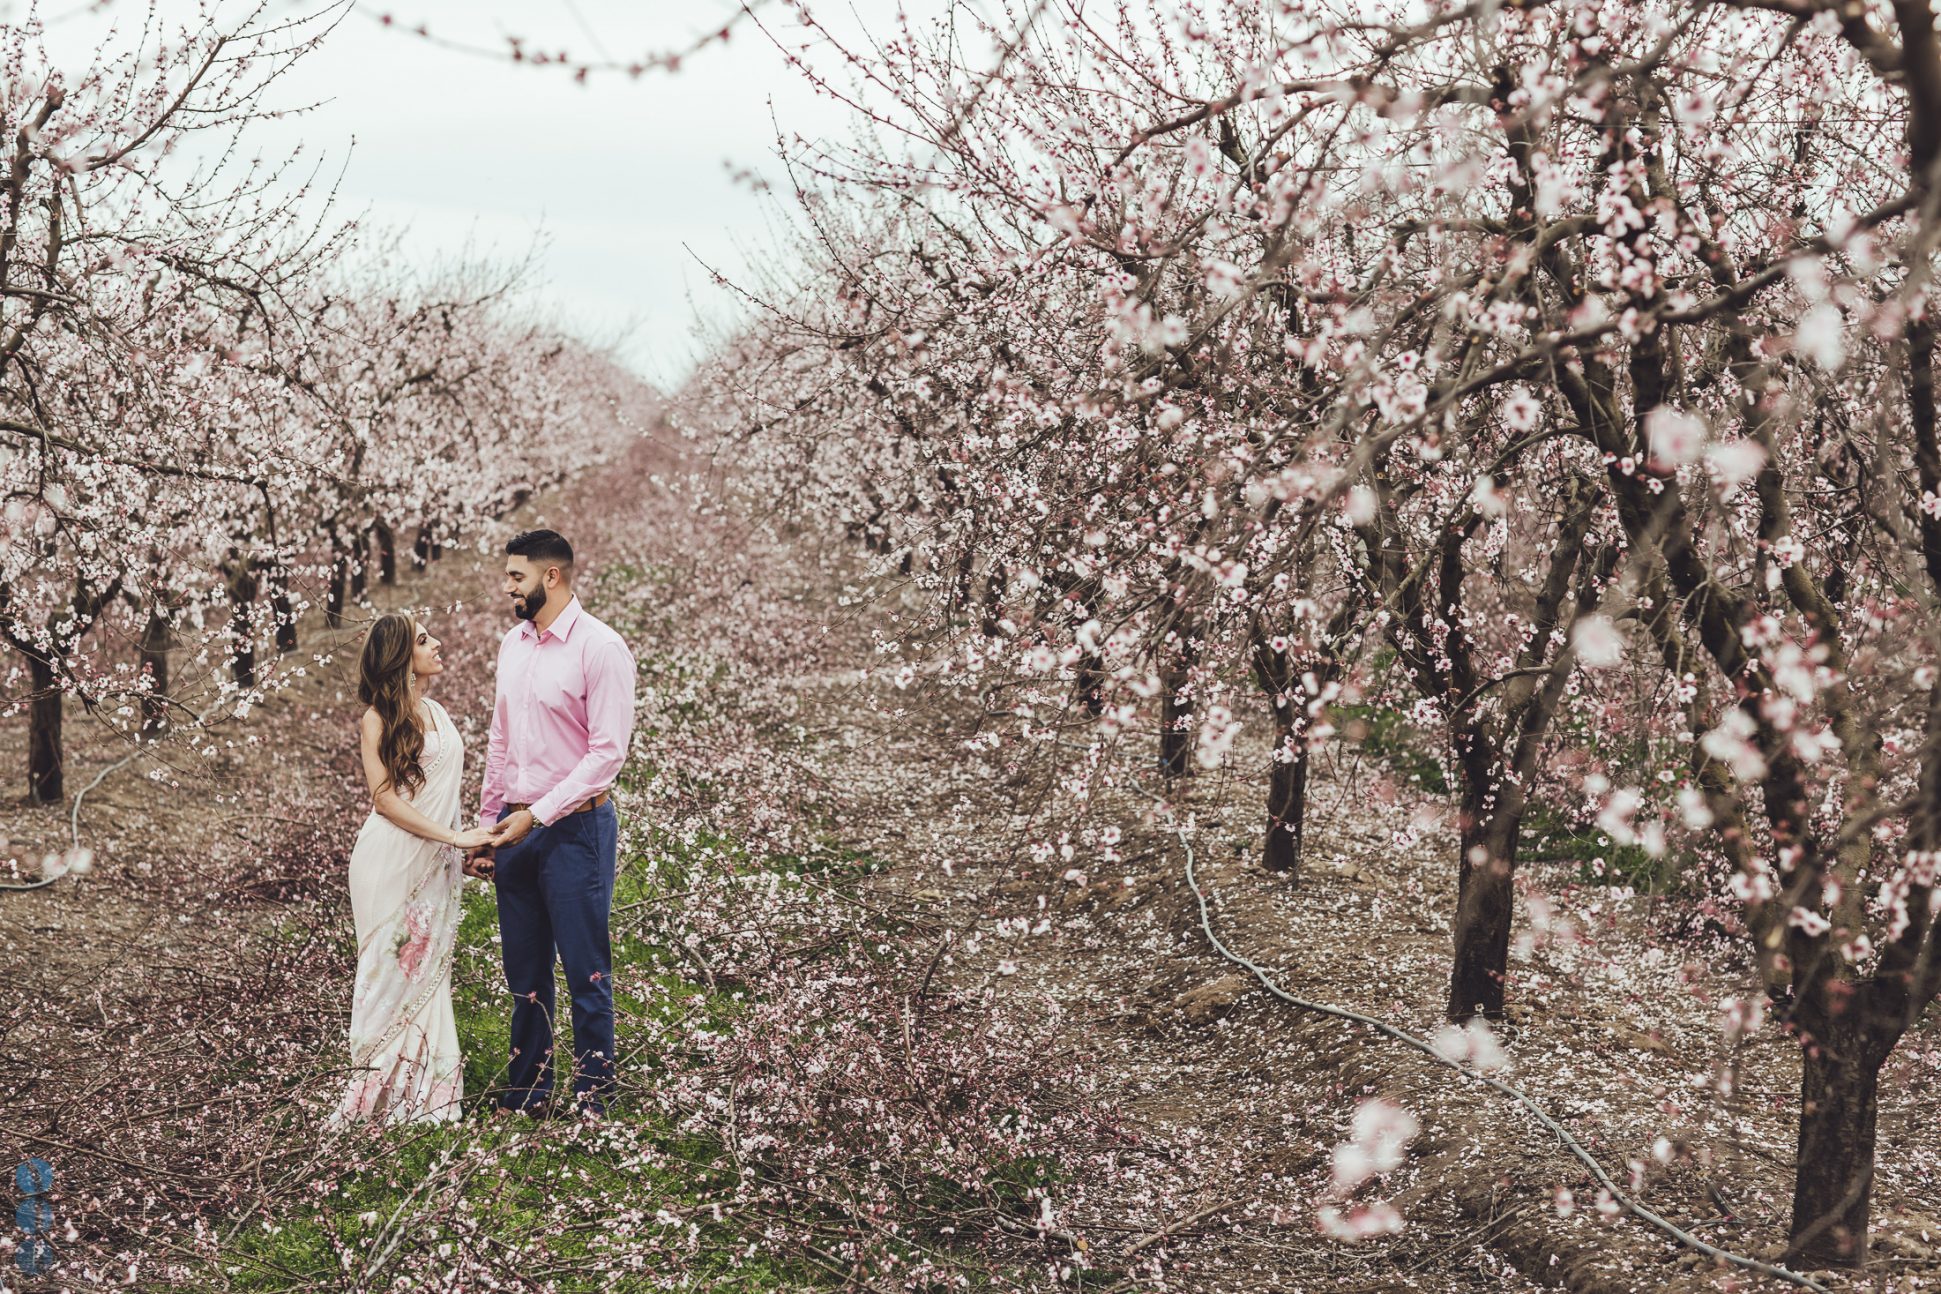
(562, 625)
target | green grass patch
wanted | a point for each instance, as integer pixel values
(572, 1195)
(1552, 837)
(1386, 733)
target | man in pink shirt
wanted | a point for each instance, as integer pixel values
(561, 724)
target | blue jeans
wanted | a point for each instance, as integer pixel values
(555, 892)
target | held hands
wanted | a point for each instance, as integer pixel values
(514, 827)
(480, 863)
(472, 841)
(477, 844)
(480, 842)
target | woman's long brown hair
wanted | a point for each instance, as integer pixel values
(384, 684)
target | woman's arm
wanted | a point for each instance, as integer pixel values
(388, 802)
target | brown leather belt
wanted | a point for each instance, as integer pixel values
(590, 805)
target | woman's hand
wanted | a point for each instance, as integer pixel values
(474, 838)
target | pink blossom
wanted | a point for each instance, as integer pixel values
(1675, 437)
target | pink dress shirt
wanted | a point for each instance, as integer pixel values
(562, 719)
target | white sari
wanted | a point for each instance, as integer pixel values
(405, 893)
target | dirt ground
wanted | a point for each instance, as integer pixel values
(1615, 1032)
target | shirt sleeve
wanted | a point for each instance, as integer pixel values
(492, 790)
(609, 731)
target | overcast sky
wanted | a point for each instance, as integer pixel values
(626, 185)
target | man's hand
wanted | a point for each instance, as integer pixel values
(480, 863)
(514, 828)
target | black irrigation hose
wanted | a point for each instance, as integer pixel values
(1564, 1138)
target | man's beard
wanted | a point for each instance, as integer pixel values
(529, 607)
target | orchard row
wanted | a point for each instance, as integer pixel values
(217, 406)
(1561, 375)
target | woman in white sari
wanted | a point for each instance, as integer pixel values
(405, 884)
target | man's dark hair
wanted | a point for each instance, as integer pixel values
(545, 547)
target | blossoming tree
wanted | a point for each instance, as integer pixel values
(1547, 346)
(202, 410)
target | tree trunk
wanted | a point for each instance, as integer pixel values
(1286, 779)
(359, 558)
(242, 623)
(1175, 726)
(1091, 684)
(1485, 901)
(1176, 736)
(1286, 812)
(280, 607)
(341, 561)
(156, 640)
(1839, 1106)
(876, 536)
(960, 588)
(387, 554)
(44, 781)
(993, 599)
